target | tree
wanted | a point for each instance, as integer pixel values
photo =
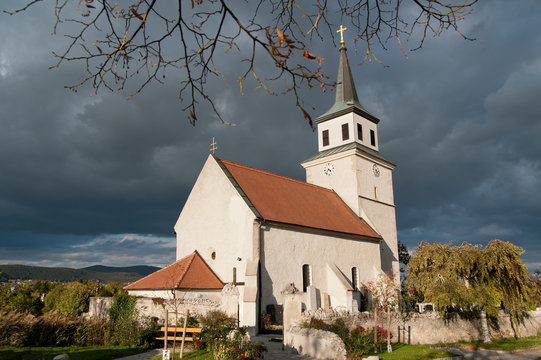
(21, 300)
(112, 289)
(69, 299)
(469, 278)
(131, 46)
(384, 292)
(403, 255)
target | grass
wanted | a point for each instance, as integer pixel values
(413, 352)
(192, 355)
(74, 352)
(503, 344)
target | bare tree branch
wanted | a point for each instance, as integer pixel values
(139, 43)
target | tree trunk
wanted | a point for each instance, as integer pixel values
(381, 327)
(389, 349)
(484, 327)
(375, 328)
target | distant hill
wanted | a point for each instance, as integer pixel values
(142, 270)
(104, 274)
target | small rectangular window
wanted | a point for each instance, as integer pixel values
(360, 132)
(325, 139)
(372, 138)
(345, 132)
(306, 277)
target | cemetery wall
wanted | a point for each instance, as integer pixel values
(430, 328)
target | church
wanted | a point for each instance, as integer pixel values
(262, 232)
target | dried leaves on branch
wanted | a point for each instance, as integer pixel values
(128, 44)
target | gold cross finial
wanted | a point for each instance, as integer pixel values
(213, 146)
(341, 31)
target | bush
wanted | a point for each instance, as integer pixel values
(358, 342)
(112, 289)
(126, 327)
(54, 329)
(315, 323)
(216, 326)
(237, 346)
(21, 300)
(69, 299)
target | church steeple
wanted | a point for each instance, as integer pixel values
(346, 99)
(349, 162)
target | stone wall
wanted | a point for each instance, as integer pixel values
(156, 307)
(318, 344)
(430, 328)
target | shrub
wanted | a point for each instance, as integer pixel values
(126, 327)
(69, 299)
(315, 323)
(112, 289)
(216, 326)
(54, 329)
(237, 346)
(21, 300)
(358, 342)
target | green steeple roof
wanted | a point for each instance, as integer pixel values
(346, 100)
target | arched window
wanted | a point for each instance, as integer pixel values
(355, 278)
(306, 276)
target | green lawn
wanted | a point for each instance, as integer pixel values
(413, 352)
(504, 344)
(400, 352)
(74, 352)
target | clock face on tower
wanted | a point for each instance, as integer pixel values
(328, 169)
(375, 169)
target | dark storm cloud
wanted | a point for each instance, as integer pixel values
(82, 176)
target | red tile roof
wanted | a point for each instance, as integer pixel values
(189, 273)
(282, 199)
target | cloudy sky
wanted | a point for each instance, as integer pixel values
(101, 180)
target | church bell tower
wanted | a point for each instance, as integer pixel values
(349, 162)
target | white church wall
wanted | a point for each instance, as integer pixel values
(215, 219)
(383, 218)
(285, 250)
(342, 180)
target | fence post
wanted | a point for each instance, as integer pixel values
(184, 333)
(166, 328)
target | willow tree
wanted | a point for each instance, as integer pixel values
(134, 42)
(470, 278)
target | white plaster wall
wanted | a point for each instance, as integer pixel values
(343, 180)
(367, 181)
(335, 131)
(214, 295)
(355, 182)
(285, 250)
(383, 218)
(216, 219)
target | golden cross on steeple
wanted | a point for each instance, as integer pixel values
(341, 31)
(213, 145)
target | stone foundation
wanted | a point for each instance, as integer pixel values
(318, 344)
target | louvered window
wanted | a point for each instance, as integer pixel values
(372, 138)
(345, 132)
(325, 139)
